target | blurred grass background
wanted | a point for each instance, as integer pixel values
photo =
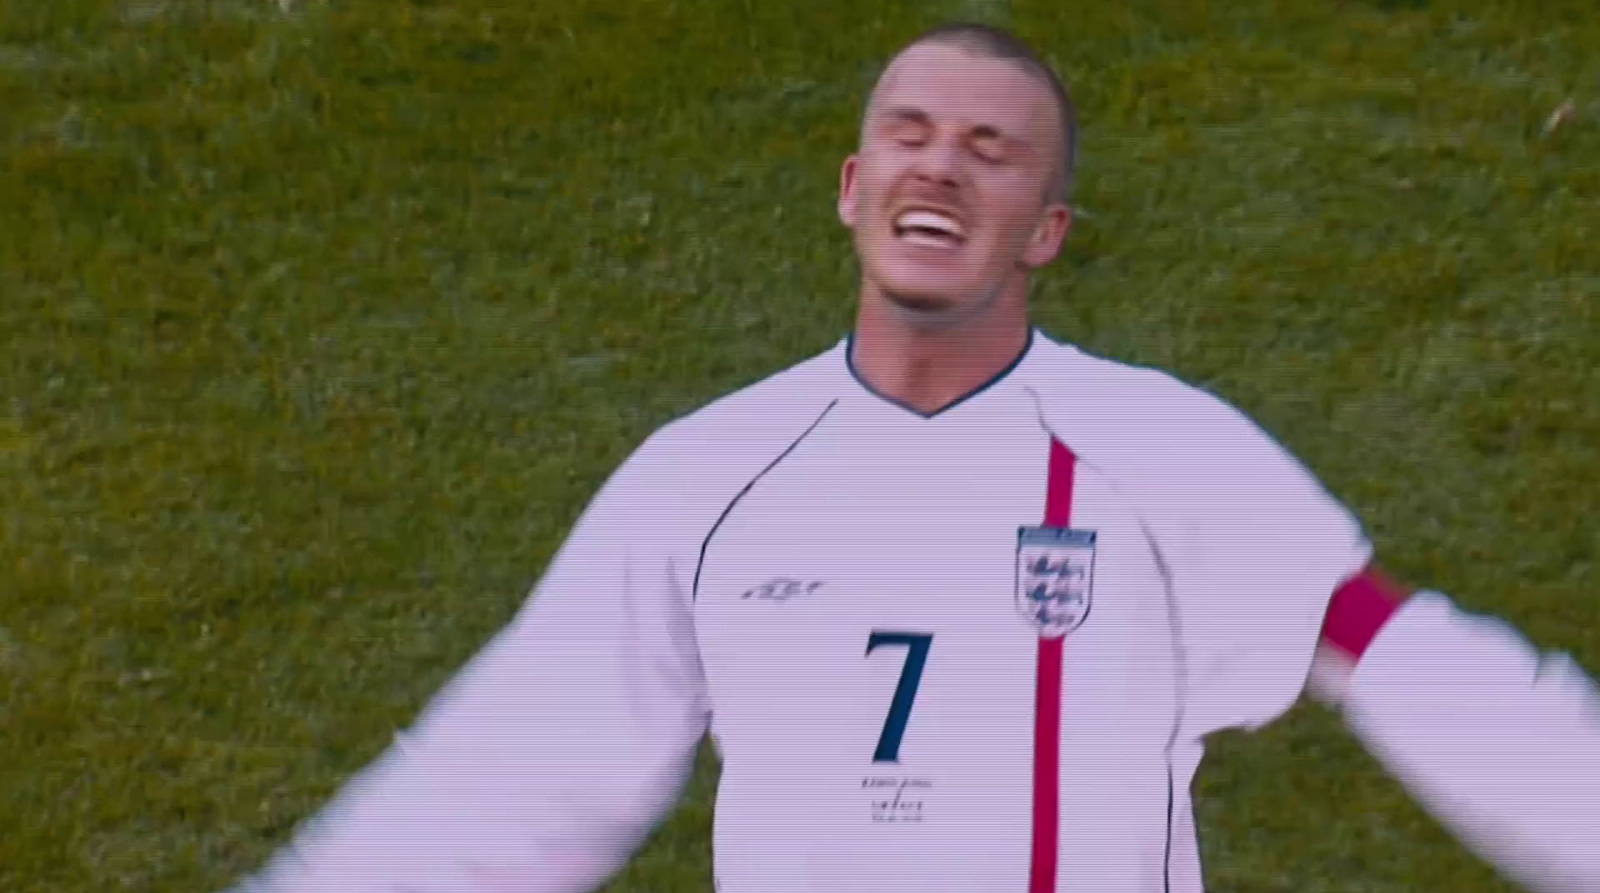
(321, 320)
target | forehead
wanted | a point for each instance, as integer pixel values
(953, 84)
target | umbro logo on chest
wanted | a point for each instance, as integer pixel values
(781, 589)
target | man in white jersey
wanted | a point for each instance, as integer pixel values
(959, 604)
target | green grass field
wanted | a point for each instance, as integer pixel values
(320, 323)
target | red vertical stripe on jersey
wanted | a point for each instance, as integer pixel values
(1058, 494)
(1047, 699)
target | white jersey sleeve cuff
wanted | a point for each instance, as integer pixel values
(1499, 742)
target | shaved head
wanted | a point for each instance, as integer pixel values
(953, 192)
(988, 42)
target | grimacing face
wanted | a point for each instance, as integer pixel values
(946, 196)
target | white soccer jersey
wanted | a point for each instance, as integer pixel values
(977, 650)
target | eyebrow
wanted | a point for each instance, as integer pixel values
(909, 113)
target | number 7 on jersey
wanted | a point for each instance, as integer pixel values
(905, 694)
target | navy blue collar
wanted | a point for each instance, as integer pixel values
(849, 362)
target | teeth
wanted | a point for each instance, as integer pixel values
(928, 240)
(930, 220)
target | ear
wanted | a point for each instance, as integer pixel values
(1045, 243)
(848, 197)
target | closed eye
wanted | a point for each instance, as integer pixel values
(908, 126)
(912, 127)
(909, 134)
(989, 144)
(990, 151)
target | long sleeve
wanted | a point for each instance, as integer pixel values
(1499, 742)
(548, 759)
(1253, 546)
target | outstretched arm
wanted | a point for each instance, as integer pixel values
(1500, 742)
(548, 759)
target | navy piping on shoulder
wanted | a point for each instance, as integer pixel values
(850, 363)
(694, 591)
(1180, 667)
(1166, 860)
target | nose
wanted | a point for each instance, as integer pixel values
(938, 164)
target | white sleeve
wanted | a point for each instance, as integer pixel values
(1254, 548)
(546, 762)
(1499, 742)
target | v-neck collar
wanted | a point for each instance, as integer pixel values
(996, 379)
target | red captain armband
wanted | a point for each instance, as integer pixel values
(1359, 609)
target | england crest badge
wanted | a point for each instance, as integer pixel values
(1055, 578)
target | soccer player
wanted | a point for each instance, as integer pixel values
(958, 603)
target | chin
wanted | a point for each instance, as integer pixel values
(931, 289)
(933, 311)
(925, 289)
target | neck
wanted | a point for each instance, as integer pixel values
(928, 368)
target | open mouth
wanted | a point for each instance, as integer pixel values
(927, 228)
